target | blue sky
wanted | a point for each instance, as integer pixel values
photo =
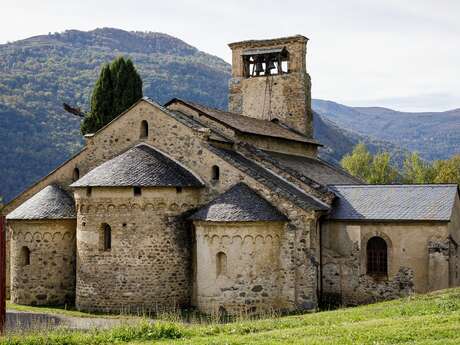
(399, 54)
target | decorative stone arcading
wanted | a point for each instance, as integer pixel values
(43, 262)
(148, 265)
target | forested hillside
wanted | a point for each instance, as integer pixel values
(40, 73)
(435, 135)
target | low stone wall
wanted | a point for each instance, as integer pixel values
(42, 262)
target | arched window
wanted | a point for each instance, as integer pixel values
(144, 129)
(25, 256)
(215, 173)
(76, 174)
(377, 257)
(107, 237)
(221, 264)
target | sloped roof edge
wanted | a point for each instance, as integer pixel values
(239, 203)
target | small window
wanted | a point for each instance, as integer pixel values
(25, 256)
(144, 129)
(215, 173)
(76, 174)
(89, 190)
(221, 264)
(137, 191)
(178, 189)
(107, 237)
(377, 257)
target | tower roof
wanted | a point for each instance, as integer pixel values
(52, 202)
(141, 166)
(270, 41)
(239, 204)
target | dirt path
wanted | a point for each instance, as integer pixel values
(24, 321)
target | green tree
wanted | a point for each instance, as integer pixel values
(118, 87)
(358, 163)
(447, 171)
(415, 170)
(127, 85)
(381, 170)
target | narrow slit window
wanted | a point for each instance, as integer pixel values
(25, 256)
(144, 129)
(377, 257)
(137, 191)
(89, 191)
(221, 264)
(215, 173)
(107, 237)
(76, 174)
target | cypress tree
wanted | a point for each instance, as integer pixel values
(119, 86)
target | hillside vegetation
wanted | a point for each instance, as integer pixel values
(435, 135)
(38, 74)
(426, 319)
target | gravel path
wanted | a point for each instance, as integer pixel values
(23, 321)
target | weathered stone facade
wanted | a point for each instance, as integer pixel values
(250, 278)
(148, 265)
(418, 260)
(42, 262)
(286, 96)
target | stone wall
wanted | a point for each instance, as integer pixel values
(286, 97)
(410, 260)
(250, 281)
(47, 277)
(148, 267)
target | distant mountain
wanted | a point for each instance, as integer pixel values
(435, 135)
(38, 74)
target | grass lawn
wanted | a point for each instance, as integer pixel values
(426, 319)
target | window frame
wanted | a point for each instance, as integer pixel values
(377, 257)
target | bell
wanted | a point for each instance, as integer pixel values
(270, 66)
(259, 68)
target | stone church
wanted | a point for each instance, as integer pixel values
(182, 205)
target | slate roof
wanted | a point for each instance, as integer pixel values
(270, 180)
(314, 168)
(238, 204)
(141, 166)
(394, 202)
(52, 202)
(245, 124)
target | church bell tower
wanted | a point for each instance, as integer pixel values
(270, 81)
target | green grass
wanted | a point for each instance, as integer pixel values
(425, 319)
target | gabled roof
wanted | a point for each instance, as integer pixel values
(272, 181)
(314, 168)
(142, 166)
(394, 202)
(246, 124)
(52, 202)
(239, 204)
